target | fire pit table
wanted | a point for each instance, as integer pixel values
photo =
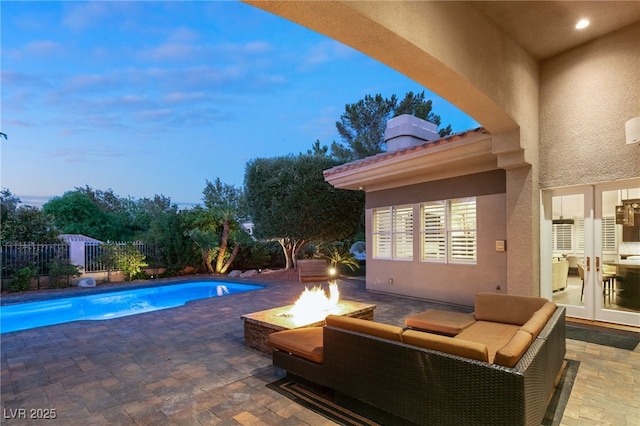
(258, 325)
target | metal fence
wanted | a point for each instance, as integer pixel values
(16, 256)
(94, 252)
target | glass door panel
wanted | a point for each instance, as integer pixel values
(565, 276)
(590, 250)
(617, 255)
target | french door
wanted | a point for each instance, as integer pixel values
(588, 254)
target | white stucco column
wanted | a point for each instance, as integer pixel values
(76, 253)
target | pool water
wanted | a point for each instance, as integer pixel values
(110, 305)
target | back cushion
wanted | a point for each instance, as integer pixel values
(510, 354)
(384, 331)
(539, 319)
(506, 308)
(452, 346)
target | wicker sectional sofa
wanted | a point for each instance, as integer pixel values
(427, 378)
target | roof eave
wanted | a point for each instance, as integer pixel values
(465, 156)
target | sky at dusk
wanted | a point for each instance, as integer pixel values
(150, 98)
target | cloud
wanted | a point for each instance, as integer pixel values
(326, 51)
(124, 101)
(251, 48)
(34, 200)
(183, 97)
(22, 80)
(82, 16)
(155, 114)
(115, 15)
(181, 118)
(40, 49)
(89, 82)
(183, 34)
(170, 51)
(80, 155)
(179, 46)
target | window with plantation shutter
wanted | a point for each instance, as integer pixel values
(381, 233)
(580, 234)
(462, 230)
(402, 235)
(392, 232)
(448, 231)
(609, 244)
(561, 237)
(433, 231)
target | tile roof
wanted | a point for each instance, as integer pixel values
(68, 238)
(405, 151)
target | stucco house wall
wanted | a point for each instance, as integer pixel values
(453, 283)
(586, 96)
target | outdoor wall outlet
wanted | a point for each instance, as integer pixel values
(501, 245)
(390, 280)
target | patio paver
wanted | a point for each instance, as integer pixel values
(189, 365)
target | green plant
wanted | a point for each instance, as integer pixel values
(140, 275)
(338, 255)
(60, 272)
(130, 260)
(22, 279)
(108, 257)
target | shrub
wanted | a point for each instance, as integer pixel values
(130, 260)
(259, 255)
(141, 275)
(60, 272)
(22, 278)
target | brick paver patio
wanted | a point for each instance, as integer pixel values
(189, 366)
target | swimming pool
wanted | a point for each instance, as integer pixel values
(110, 305)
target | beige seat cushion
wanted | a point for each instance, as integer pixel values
(371, 328)
(452, 346)
(445, 322)
(303, 342)
(493, 334)
(510, 354)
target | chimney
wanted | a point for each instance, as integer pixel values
(406, 130)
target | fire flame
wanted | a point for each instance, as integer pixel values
(312, 305)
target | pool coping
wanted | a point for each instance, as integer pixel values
(7, 298)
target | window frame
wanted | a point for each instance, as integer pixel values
(389, 240)
(466, 225)
(446, 230)
(437, 243)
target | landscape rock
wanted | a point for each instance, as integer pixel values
(249, 274)
(87, 282)
(235, 273)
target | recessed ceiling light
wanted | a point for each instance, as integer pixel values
(583, 23)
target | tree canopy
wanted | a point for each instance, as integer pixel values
(363, 123)
(290, 202)
(220, 195)
(24, 224)
(75, 213)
